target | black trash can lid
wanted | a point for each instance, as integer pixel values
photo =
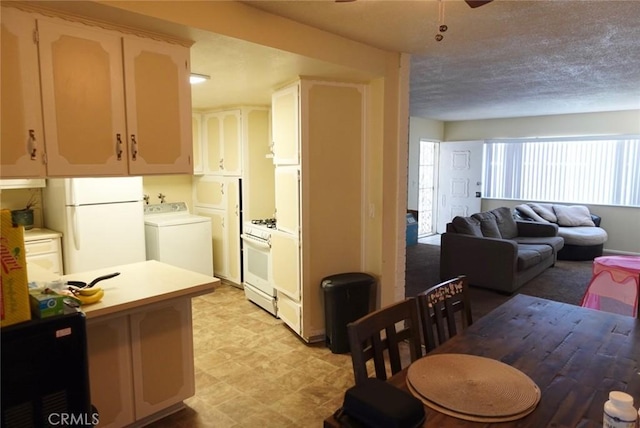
(347, 279)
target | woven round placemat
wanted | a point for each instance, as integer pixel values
(472, 387)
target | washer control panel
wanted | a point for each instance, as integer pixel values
(171, 207)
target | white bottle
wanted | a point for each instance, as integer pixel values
(619, 411)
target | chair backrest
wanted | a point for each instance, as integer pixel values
(438, 307)
(386, 331)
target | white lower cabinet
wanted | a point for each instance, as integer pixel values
(162, 357)
(290, 311)
(42, 248)
(110, 374)
(219, 199)
(141, 363)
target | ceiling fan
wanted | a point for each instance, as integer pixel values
(477, 3)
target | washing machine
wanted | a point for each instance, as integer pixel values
(175, 236)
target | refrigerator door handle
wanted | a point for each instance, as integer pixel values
(74, 230)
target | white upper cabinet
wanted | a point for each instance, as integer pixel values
(222, 142)
(21, 134)
(83, 99)
(196, 131)
(285, 125)
(158, 104)
(90, 127)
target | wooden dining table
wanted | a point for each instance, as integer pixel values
(575, 355)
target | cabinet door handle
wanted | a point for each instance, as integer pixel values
(221, 164)
(118, 147)
(222, 188)
(134, 147)
(32, 146)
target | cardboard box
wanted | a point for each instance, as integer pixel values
(14, 291)
(45, 303)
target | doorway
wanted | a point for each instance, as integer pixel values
(427, 191)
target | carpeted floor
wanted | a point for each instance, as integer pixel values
(565, 282)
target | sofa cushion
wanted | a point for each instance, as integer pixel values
(530, 255)
(527, 258)
(467, 226)
(573, 215)
(527, 211)
(488, 224)
(555, 242)
(506, 224)
(583, 235)
(545, 211)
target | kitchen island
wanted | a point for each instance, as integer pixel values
(140, 340)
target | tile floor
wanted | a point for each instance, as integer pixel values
(252, 371)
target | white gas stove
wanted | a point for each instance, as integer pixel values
(256, 236)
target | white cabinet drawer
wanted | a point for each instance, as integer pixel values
(45, 253)
(50, 262)
(42, 246)
(289, 311)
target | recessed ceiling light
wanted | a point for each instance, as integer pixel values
(198, 78)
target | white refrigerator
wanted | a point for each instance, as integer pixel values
(101, 220)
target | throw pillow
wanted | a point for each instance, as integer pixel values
(467, 226)
(529, 212)
(506, 224)
(545, 211)
(488, 224)
(573, 215)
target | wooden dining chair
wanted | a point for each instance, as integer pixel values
(444, 308)
(386, 331)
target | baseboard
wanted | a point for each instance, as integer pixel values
(619, 253)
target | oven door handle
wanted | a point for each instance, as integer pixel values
(256, 243)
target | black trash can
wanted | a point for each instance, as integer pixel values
(347, 297)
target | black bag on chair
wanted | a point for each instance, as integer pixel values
(378, 404)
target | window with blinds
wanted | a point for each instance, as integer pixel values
(586, 171)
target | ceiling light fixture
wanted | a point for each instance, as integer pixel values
(195, 78)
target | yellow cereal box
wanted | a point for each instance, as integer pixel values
(14, 291)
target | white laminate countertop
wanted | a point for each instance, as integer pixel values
(40, 233)
(138, 284)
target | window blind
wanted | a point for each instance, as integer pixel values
(576, 170)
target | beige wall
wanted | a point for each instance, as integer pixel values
(176, 188)
(15, 199)
(567, 125)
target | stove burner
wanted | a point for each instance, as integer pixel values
(268, 222)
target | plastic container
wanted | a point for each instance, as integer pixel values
(347, 297)
(619, 411)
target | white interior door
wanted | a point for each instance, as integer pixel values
(459, 188)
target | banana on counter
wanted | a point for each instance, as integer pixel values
(87, 296)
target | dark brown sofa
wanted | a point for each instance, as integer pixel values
(497, 252)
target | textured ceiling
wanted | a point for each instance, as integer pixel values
(504, 59)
